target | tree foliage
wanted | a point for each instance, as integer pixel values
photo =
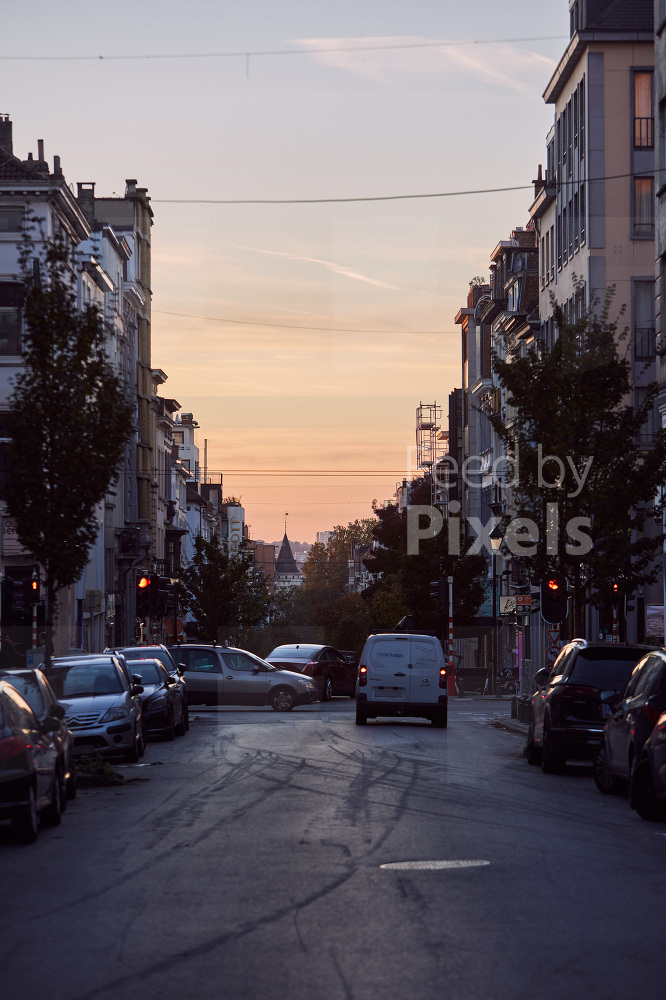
(574, 402)
(226, 595)
(69, 422)
(405, 579)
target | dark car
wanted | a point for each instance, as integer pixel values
(647, 786)
(222, 675)
(31, 783)
(161, 653)
(634, 714)
(162, 704)
(567, 714)
(333, 673)
(32, 685)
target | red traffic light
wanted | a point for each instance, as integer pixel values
(553, 584)
(143, 582)
(35, 585)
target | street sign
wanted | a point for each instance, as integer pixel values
(523, 600)
(507, 605)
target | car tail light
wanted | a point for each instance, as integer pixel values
(12, 746)
(442, 677)
(564, 701)
(362, 675)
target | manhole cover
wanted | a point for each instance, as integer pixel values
(416, 866)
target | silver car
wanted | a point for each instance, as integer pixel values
(102, 707)
(223, 675)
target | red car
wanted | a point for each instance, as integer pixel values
(329, 667)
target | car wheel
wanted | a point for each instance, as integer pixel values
(142, 742)
(170, 730)
(361, 717)
(440, 721)
(186, 715)
(52, 815)
(25, 821)
(180, 728)
(532, 752)
(283, 700)
(604, 779)
(327, 692)
(641, 793)
(132, 754)
(551, 763)
(70, 786)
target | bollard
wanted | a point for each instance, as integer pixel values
(514, 707)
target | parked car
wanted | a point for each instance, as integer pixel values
(647, 785)
(567, 714)
(333, 673)
(102, 707)
(634, 714)
(33, 686)
(31, 781)
(222, 675)
(162, 705)
(161, 653)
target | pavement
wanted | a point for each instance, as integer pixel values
(503, 703)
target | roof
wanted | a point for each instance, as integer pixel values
(285, 562)
(13, 169)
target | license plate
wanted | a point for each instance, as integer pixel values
(391, 692)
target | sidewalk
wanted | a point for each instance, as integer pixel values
(501, 701)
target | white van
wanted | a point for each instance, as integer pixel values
(402, 675)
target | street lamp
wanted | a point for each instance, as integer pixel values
(496, 537)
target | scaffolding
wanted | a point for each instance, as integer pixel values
(432, 445)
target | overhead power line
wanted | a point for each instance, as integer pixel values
(292, 326)
(284, 52)
(321, 201)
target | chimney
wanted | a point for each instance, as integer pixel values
(6, 141)
(85, 195)
(130, 187)
(57, 169)
(40, 150)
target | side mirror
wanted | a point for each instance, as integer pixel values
(57, 711)
(171, 680)
(137, 678)
(181, 669)
(256, 670)
(541, 676)
(610, 698)
(50, 724)
(657, 702)
(136, 689)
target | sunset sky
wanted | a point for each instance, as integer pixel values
(301, 337)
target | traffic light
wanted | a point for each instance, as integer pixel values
(34, 588)
(439, 591)
(146, 594)
(164, 593)
(554, 598)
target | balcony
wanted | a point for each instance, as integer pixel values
(643, 133)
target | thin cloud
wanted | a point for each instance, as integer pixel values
(502, 64)
(328, 264)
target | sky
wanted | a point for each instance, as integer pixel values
(302, 337)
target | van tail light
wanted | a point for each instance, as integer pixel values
(12, 746)
(442, 677)
(362, 675)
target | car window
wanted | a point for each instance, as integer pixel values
(150, 673)
(294, 652)
(23, 714)
(635, 678)
(609, 671)
(201, 660)
(28, 686)
(88, 680)
(238, 661)
(650, 677)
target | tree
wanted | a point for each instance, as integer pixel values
(413, 573)
(69, 422)
(226, 595)
(580, 452)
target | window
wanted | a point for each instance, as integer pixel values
(643, 114)
(11, 297)
(643, 206)
(581, 114)
(582, 215)
(11, 220)
(644, 345)
(646, 432)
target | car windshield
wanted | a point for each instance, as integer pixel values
(28, 687)
(87, 680)
(148, 671)
(609, 671)
(139, 653)
(295, 652)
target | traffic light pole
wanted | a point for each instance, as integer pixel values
(451, 689)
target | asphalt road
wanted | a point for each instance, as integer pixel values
(245, 861)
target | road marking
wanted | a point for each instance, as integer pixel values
(432, 865)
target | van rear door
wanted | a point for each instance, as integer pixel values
(425, 659)
(388, 669)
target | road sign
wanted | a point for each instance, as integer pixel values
(523, 600)
(507, 605)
